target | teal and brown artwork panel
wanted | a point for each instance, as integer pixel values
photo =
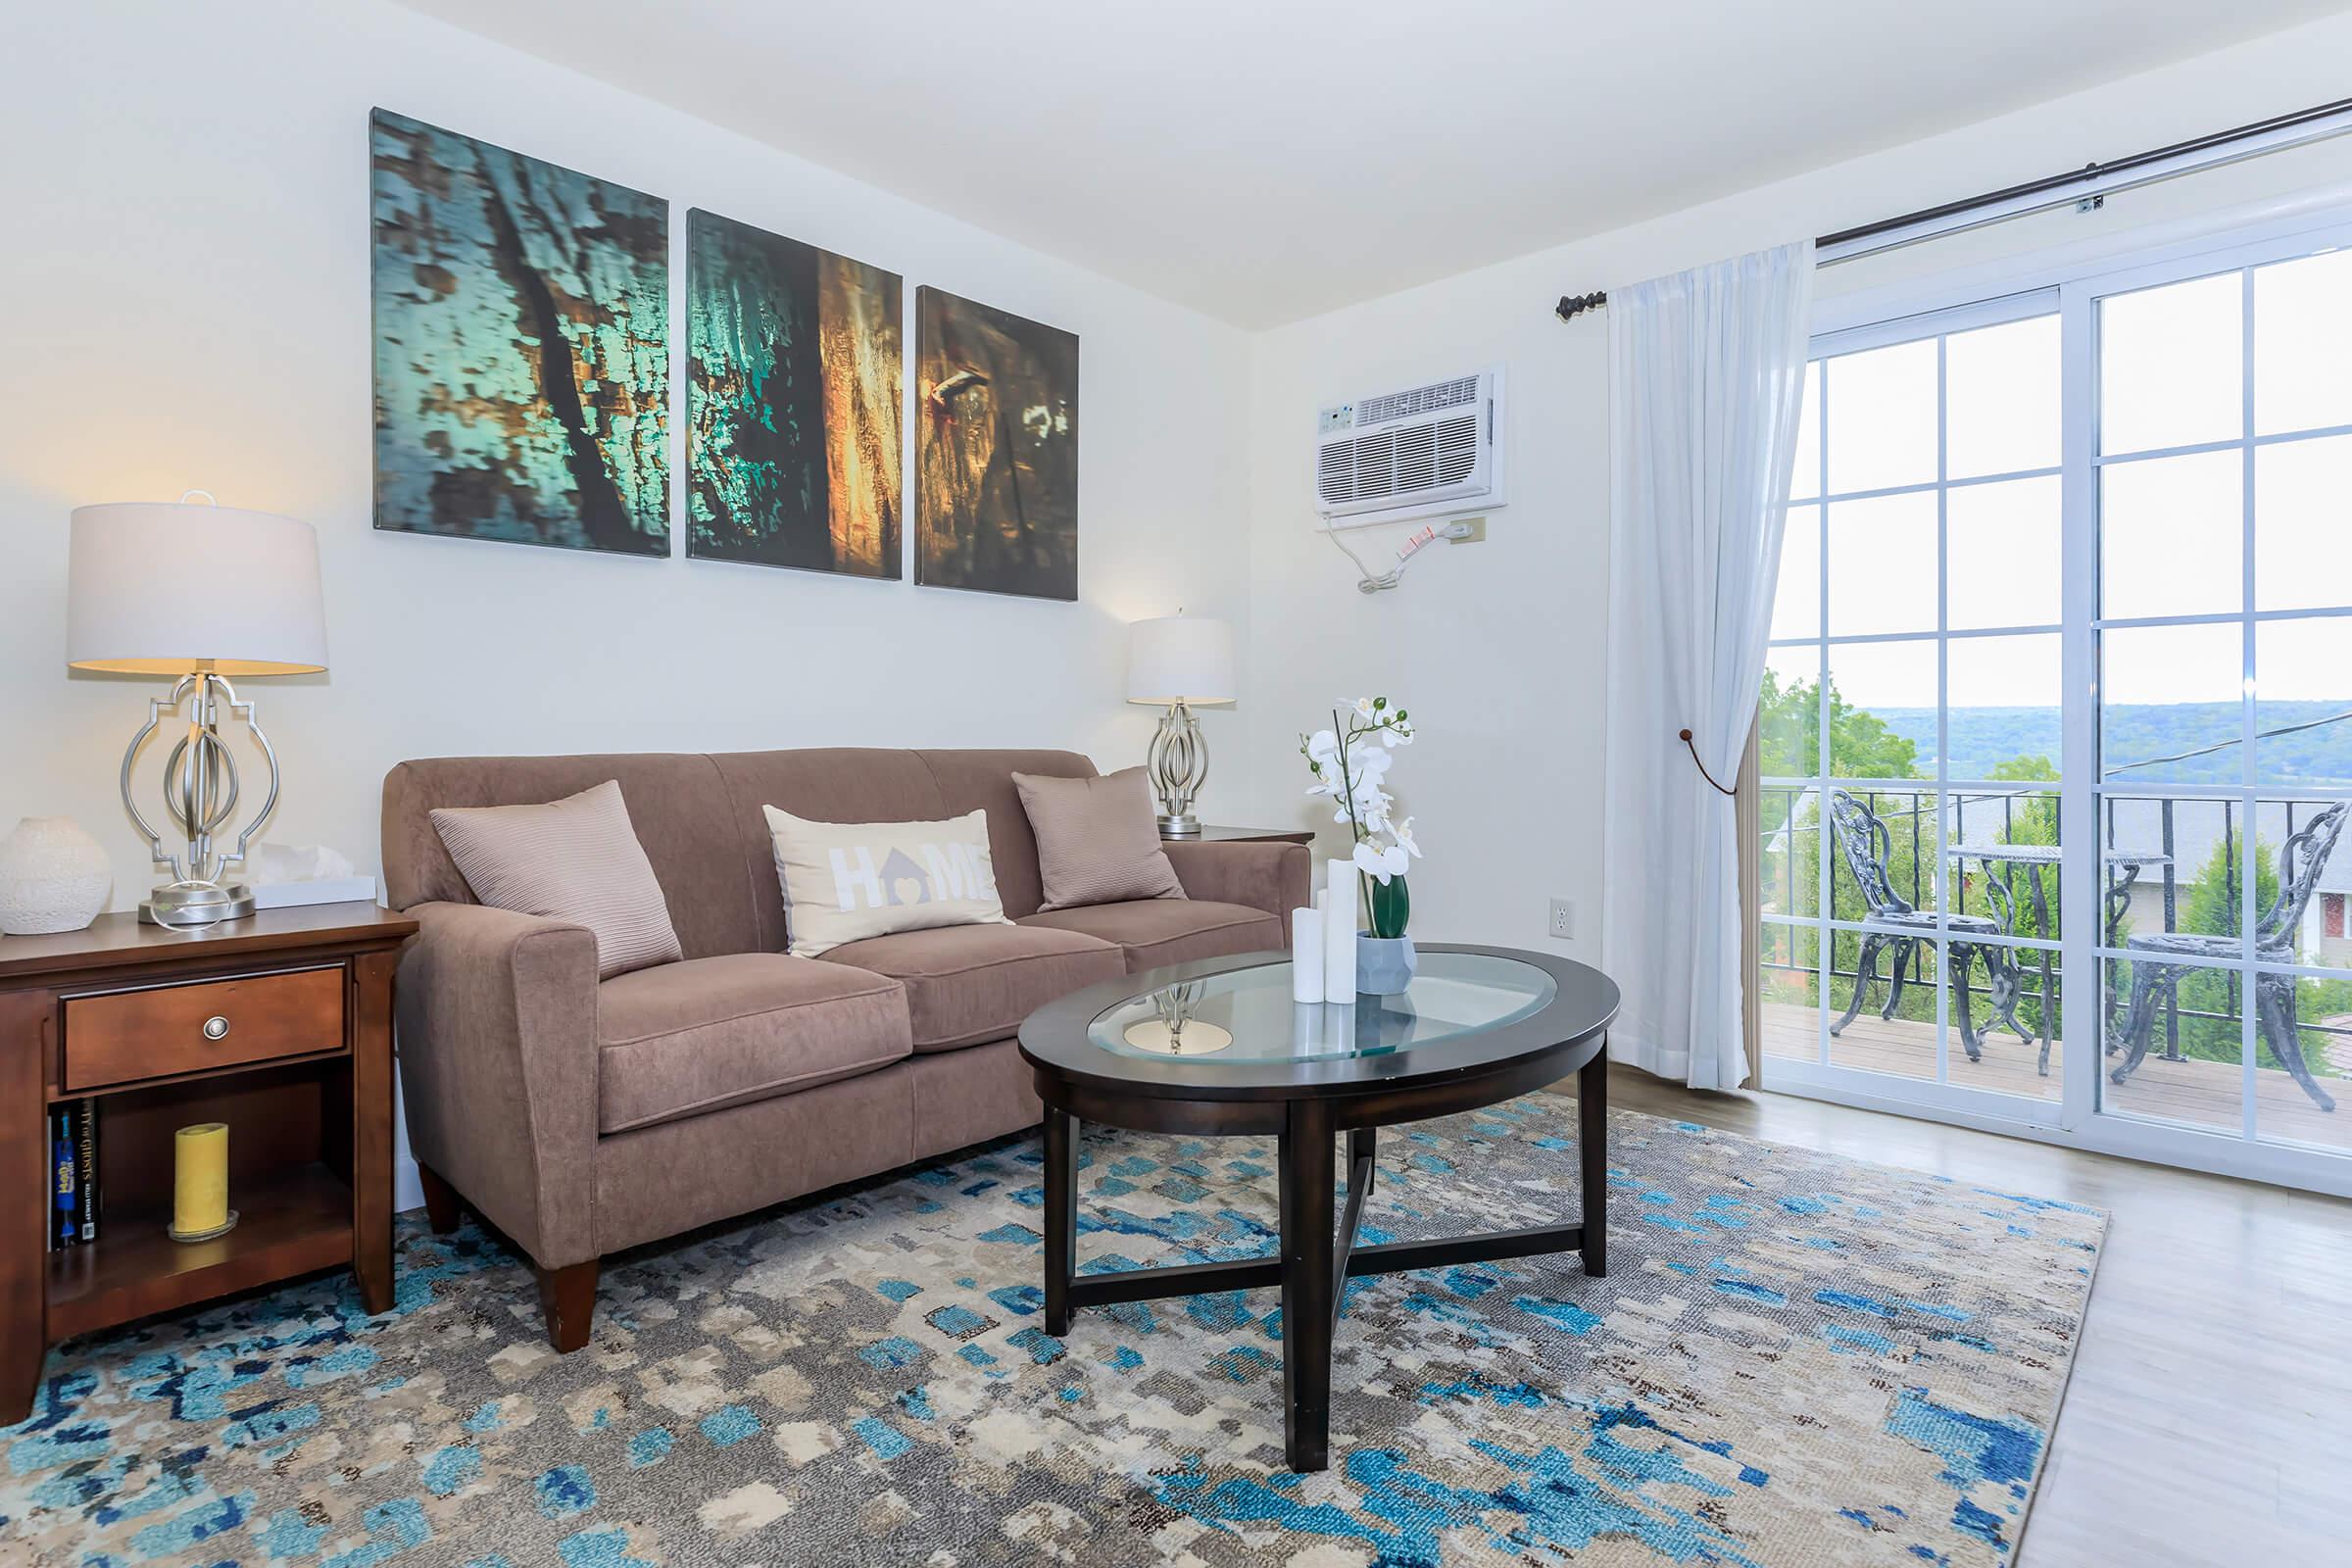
(796, 369)
(997, 450)
(521, 346)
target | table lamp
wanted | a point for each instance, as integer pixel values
(199, 593)
(1180, 663)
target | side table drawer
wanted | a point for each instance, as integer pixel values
(122, 1035)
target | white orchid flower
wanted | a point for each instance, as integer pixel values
(1402, 833)
(1364, 706)
(1397, 735)
(1381, 865)
(1323, 746)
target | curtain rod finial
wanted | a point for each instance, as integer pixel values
(1572, 305)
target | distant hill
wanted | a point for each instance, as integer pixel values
(1984, 737)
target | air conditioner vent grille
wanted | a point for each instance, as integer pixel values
(1400, 461)
(1460, 392)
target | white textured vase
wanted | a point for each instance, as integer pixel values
(54, 876)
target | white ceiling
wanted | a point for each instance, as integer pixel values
(1265, 160)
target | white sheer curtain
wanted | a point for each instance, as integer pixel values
(1707, 373)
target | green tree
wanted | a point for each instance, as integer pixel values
(1861, 746)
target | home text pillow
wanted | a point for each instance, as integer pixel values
(1098, 839)
(846, 880)
(575, 859)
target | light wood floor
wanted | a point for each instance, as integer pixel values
(2209, 1420)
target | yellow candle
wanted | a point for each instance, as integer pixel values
(200, 1178)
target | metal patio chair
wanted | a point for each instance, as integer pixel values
(1865, 843)
(2161, 957)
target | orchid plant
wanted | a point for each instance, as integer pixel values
(1351, 762)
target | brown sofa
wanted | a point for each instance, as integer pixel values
(581, 1118)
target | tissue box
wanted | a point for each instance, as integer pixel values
(321, 890)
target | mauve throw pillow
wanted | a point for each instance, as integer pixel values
(1098, 839)
(574, 859)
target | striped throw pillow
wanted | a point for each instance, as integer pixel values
(575, 859)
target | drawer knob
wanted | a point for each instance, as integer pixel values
(215, 1027)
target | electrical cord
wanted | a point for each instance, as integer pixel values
(1366, 582)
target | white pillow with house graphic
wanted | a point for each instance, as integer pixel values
(847, 880)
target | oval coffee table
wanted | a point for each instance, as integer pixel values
(1217, 1047)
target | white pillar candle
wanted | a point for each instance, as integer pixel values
(1306, 956)
(1339, 934)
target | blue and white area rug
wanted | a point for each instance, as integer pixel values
(1797, 1360)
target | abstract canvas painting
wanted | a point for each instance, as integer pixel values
(796, 371)
(521, 346)
(996, 450)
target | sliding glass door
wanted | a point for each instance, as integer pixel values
(1911, 718)
(2061, 689)
(2223, 465)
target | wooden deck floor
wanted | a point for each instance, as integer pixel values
(2203, 1094)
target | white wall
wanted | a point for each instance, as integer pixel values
(1498, 647)
(187, 260)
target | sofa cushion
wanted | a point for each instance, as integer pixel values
(982, 781)
(967, 984)
(1151, 932)
(675, 804)
(825, 784)
(691, 1037)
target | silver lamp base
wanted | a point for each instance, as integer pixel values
(1178, 765)
(194, 903)
(201, 788)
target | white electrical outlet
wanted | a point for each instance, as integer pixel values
(1563, 920)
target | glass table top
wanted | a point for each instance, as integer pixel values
(1247, 1016)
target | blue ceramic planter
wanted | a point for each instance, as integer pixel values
(1384, 965)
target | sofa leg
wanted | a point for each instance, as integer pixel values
(440, 1201)
(568, 1300)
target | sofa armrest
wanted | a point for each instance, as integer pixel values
(1271, 877)
(497, 1041)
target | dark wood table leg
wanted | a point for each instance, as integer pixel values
(24, 1216)
(1592, 1154)
(1363, 1143)
(371, 1130)
(1308, 1144)
(1061, 1218)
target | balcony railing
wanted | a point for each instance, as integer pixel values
(1792, 817)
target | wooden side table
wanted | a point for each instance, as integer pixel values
(279, 1026)
(1243, 835)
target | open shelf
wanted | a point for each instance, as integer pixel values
(294, 1220)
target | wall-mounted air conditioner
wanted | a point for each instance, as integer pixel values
(1423, 452)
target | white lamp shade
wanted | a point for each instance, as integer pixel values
(170, 588)
(1181, 658)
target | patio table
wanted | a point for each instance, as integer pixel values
(2122, 868)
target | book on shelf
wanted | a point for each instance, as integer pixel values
(73, 1174)
(86, 1143)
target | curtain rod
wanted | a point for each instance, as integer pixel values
(2088, 186)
